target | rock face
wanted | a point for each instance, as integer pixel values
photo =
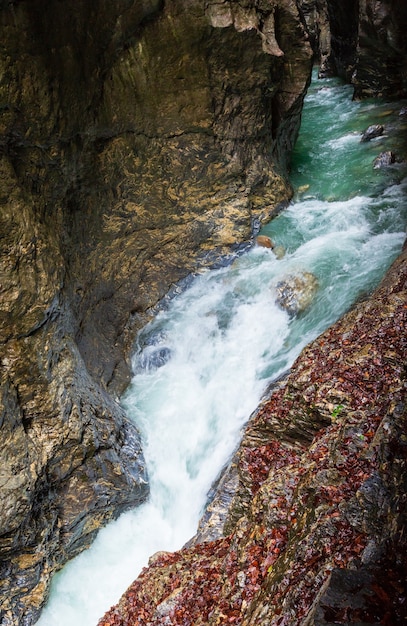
(316, 530)
(363, 41)
(317, 22)
(382, 49)
(333, 29)
(138, 140)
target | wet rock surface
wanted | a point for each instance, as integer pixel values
(316, 529)
(122, 169)
(138, 141)
(295, 292)
(376, 130)
(381, 50)
(316, 17)
(384, 159)
(264, 242)
(362, 42)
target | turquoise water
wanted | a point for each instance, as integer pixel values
(202, 365)
(329, 156)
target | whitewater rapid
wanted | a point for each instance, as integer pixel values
(203, 363)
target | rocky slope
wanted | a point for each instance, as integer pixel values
(138, 140)
(316, 530)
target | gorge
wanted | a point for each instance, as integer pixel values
(123, 171)
(204, 361)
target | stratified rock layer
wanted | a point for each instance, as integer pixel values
(316, 532)
(138, 140)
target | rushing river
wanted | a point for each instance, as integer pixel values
(203, 363)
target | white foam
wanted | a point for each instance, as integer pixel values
(343, 142)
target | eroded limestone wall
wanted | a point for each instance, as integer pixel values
(363, 41)
(138, 141)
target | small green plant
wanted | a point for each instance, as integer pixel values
(337, 410)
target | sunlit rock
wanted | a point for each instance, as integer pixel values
(295, 292)
(264, 242)
(373, 131)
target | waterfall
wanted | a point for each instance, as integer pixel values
(203, 363)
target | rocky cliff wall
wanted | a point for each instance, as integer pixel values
(363, 41)
(138, 140)
(315, 533)
(381, 66)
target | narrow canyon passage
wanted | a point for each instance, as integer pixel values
(202, 365)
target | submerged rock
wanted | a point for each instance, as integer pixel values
(303, 188)
(154, 358)
(295, 292)
(373, 131)
(279, 252)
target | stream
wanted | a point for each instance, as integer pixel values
(202, 364)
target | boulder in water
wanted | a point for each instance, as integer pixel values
(302, 188)
(264, 241)
(384, 159)
(295, 292)
(376, 130)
